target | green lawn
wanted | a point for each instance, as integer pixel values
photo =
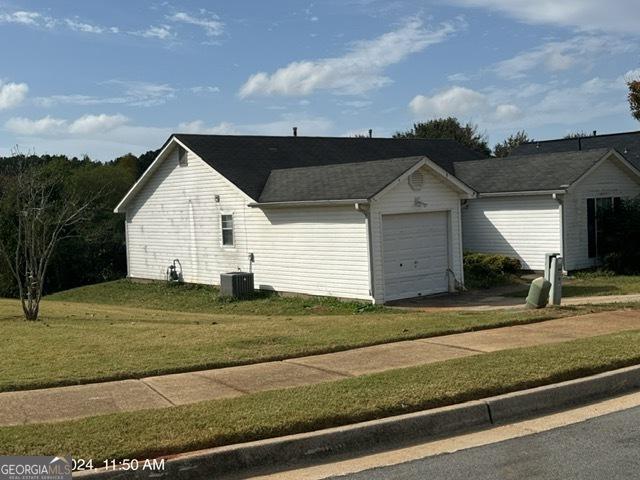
(206, 299)
(83, 342)
(594, 284)
(177, 429)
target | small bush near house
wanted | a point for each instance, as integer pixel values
(620, 238)
(483, 270)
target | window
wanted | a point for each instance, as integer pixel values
(182, 157)
(227, 229)
(596, 209)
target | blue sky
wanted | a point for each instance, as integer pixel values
(106, 78)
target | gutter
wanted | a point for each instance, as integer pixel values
(366, 211)
(521, 193)
(309, 203)
(560, 200)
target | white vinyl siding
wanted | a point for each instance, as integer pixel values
(607, 180)
(522, 227)
(317, 251)
(434, 196)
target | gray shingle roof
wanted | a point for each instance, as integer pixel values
(626, 143)
(360, 180)
(248, 160)
(551, 171)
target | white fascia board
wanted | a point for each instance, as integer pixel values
(308, 203)
(521, 193)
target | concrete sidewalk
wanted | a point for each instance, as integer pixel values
(56, 404)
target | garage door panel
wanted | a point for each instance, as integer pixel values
(415, 254)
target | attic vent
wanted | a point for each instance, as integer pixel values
(182, 157)
(416, 181)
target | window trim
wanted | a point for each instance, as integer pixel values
(232, 229)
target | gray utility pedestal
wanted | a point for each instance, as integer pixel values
(553, 267)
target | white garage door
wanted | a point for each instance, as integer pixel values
(415, 249)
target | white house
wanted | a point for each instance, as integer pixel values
(320, 216)
(365, 218)
(529, 205)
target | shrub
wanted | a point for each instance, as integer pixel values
(489, 270)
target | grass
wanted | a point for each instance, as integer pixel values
(206, 299)
(81, 342)
(584, 284)
(177, 429)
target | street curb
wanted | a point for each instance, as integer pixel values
(348, 439)
(523, 403)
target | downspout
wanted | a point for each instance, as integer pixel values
(558, 198)
(126, 241)
(366, 211)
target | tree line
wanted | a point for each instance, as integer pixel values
(36, 191)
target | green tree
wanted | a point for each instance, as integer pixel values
(634, 98)
(576, 134)
(449, 129)
(514, 140)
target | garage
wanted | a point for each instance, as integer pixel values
(415, 254)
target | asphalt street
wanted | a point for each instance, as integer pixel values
(603, 448)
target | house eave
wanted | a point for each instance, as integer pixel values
(521, 193)
(309, 203)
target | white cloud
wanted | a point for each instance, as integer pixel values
(464, 103)
(143, 94)
(359, 70)
(631, 75)
(581, 50)
(198, 126)
(84, 27)
(88, 124)
(507, 112)
(38, 20)
(356, 103)
(50, 126)
(611, 16)
(306, 126)
(12, 94)
(205, 89)
(22, 17)
(458, 77)
(211, 23)
(132, 93)
(161, 32)
(454, 101)
(43, 126)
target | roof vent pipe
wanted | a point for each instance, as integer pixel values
(295, 131)
(370, 133)
(595, 133)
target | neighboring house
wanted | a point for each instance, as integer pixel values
(626, 143)
(366, 218)
(529, 205)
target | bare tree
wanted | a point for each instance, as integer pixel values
(38, 213)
